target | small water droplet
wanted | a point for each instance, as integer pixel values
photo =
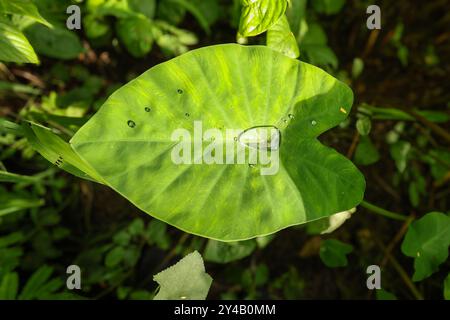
(251, 165)
(285, 121)
(314, 122)
(187, 114)
(235, 138)
(131, 123)
(147, 109)
(180, 91)
(291, 116)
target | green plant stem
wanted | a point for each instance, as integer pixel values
(383, 212)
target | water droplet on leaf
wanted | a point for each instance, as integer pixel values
(291, 116)
(147, 109)
(180, 91)
(131, 123)
(314, 122)
(261, 137)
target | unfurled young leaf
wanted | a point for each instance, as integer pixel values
(186, 280)
(427, 241)
(14, 46)
(259, 15)
(281, 39)
(225, 252)
(226, 87)
(333, 253)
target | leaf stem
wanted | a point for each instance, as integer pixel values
(383, 212)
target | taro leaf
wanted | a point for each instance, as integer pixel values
(57, 151)
(129, 142)
(24, 8)
(186, 280)
(136, 34)
(14, 46)
(427, 240)
(224, 252)
(259, 15)
(333, 253)
(57, 42)
(281, 39)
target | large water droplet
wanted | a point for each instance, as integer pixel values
(131, 123)
(180, 91)
(261, 137)
(147, 109)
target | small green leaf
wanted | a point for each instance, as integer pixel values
(357, 67)
(114, 257)
(447, 287)
(364, 125)
(224, 252)
(23, 8)
(385, 295)
(259, 15)
(57, 151)
(11, 238)
(400, 152)
(14, 46)
(9, 286)
(281, 39)
(57, 42)
(146, 7)
(35, 283)
(333, 253)
(366, 153)
(136, 34)
(328, 7)
(11, 202)
(186, 280)
(198, 14)
(427, 241)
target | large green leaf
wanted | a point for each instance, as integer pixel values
(259, 15)
(427, 241)
(129, 142)
(281, 39)
(186, 280)
(24, 8)
(14, 46)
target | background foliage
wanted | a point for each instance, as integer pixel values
(397, 134)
